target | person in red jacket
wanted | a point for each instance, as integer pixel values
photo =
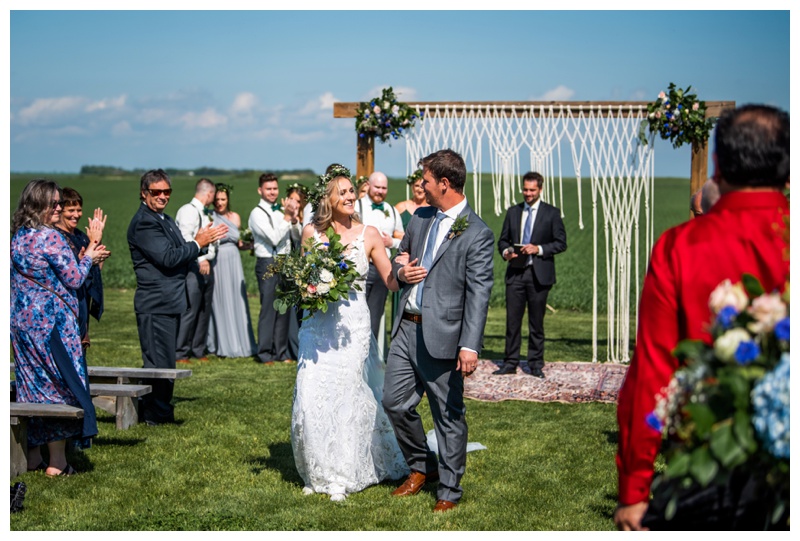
(744, 232)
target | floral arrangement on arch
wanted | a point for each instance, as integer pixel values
(385, 118)
(727, 408)
(317, 276)
(677, 116)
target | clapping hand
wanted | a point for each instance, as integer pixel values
(96, 225)
(291, 209)
(210, 233)
(96, 251)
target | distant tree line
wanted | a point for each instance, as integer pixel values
(204, 171)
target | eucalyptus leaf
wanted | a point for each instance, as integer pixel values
(752, 285)
(725, 447)
(703, 467)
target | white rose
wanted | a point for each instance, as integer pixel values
(386, 105)
(725, 346)
(323, 288)
(767, 309)
(727, 294)
(325, 275)
(376, 110)
(395, 109)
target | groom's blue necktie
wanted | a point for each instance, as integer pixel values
(427, 257)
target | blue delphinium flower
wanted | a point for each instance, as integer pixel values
(782, 329)
(654, 422)
(726, 316)
(770, 399)
(326, 243)
(747, 352)
(360, 135)
(342, 265)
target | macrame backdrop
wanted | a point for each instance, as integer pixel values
(602, 138)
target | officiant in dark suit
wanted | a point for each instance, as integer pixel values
(161, 259)
(435, 343)
(532, 235)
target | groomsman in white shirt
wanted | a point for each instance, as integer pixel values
(193, 325)
(273, 224)
(375, 211)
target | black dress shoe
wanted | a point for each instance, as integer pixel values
(537, 373)
(506, 369)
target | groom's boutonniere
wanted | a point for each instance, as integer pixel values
(459, 226)
(209, 213)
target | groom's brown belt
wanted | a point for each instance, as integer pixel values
(416, 318)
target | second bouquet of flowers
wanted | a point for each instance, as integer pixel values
(315, 276)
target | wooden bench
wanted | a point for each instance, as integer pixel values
(118, 399)
(20, 413)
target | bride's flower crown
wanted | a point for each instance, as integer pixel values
(317, 191)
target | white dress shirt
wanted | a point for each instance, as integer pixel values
(272, 234)
(379, 219)
(444, 228)
(190, 218)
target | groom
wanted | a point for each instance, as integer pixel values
(435, 344)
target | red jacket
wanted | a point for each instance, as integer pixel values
(744, 232)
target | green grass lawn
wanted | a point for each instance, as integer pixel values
(228, 465)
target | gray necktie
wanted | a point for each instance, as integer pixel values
(427, 257)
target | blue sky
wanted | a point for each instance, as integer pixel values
(254, 89)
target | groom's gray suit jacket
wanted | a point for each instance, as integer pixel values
(458, 285)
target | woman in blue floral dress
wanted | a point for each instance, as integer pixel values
(49, 363)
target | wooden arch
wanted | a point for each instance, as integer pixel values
(365, 153)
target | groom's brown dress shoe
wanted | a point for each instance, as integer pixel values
(443, 505)
(414, 483)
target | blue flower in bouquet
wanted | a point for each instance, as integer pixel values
(782, 329)
(654, 422)
(726, 316)
(771, 409)
(747, 352)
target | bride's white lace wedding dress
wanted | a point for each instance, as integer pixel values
(342, 439)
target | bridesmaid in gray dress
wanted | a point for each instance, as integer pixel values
(230, 333)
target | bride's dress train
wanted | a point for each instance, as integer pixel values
(342, 439)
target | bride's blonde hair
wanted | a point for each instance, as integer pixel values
(323, 217)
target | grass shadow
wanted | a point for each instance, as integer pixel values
(280, 459)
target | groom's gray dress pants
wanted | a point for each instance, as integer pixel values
(410, 371)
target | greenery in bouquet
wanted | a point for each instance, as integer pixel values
(385, 118)
(246, 237)
(314, 277)
(677, 116)
(727, 408)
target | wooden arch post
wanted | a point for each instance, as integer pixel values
(365, 153)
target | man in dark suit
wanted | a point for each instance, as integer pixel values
(435, 344)
(532, 234)
(161, 260)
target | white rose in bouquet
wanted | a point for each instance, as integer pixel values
(725, 346)
(325, 275)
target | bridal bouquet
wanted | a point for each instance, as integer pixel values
(314, 277)
(726, 411)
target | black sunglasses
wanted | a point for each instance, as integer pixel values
(156, 193)
(58, 204)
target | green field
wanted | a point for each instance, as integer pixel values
(118, 196)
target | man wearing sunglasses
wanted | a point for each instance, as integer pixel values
(161, 259)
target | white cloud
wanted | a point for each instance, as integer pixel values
(206, 119)
(244, 104)
(559, 93)
(323, 103)
(110, 103)
(44, 110)
(120, 129)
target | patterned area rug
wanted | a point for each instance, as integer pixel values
(563, 382)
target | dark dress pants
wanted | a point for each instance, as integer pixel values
(376, 293)
(273, 327)
(193, 326)
(523, 289)
(157, 334)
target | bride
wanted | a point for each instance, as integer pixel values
(341, 437)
